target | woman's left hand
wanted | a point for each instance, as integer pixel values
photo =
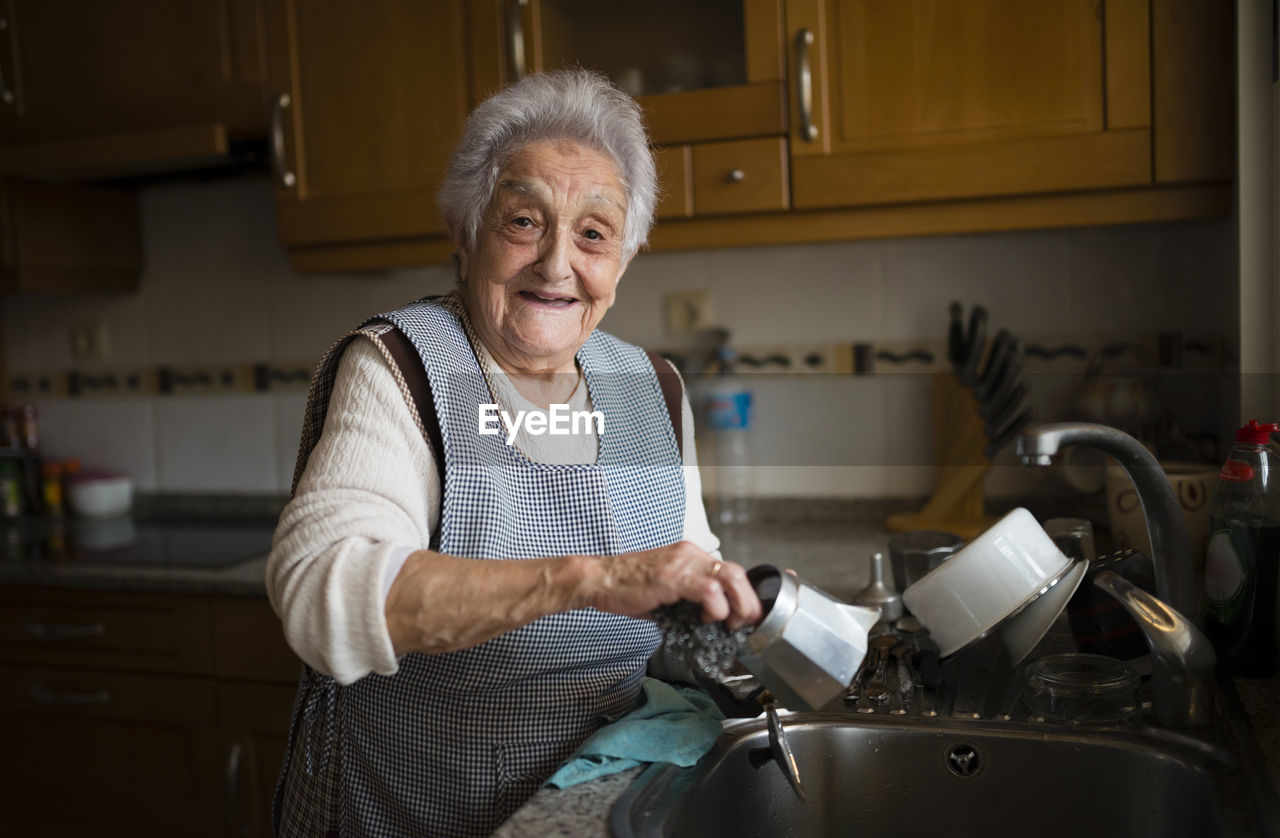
(634, 584)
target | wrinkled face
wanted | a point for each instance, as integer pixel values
(548, 256)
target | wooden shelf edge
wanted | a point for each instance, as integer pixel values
(1120, 206)
(372, 257)
(56, 280)
(121, 155)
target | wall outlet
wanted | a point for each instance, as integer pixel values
(89, 341)
(687, 312)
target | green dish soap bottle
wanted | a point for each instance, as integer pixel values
(1242, 565)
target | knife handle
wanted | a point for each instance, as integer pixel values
(975, 344)
(1003, 404)
(1015, 427)
(955, 336)
(1000, 346)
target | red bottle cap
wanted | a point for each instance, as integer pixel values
(1255, 433)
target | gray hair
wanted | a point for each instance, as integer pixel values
(573, 104)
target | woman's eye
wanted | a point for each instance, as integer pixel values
(522, 221)
(593, 235)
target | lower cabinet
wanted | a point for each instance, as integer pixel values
(102, 740)
(107, 753)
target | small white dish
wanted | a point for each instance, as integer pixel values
(1025, 629)
(994, 576)
(100, 495)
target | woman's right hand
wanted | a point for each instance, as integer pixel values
(634, 584)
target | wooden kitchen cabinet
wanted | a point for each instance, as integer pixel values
(108, 753)
(254, 720)
(116, 87)
(925, 100)
(367, 101)
(913, 117)
(710, 70)
(928, 117)
(153, 714)
(68, 238)
(1193, 93)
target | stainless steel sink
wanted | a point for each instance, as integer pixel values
(909, 776)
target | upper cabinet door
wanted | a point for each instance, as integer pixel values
(899, 101)
(368, 99)
(115, 82)
(708, 70)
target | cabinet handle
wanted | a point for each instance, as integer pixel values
(735, 176)
(804, 85)
(284, 178)
(64, 699)
(231, 775)
(62, 632)
(515, 26)
(6, 95)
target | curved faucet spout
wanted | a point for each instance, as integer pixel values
(1175, 579)
(1182, 659)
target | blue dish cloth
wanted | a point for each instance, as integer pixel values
(667, 724)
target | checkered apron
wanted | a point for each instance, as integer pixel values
(453, 743)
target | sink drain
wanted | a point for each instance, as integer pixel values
(963, 759)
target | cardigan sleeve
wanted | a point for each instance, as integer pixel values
(370, 496)
(697, 528)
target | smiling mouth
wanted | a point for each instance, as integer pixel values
(548, 301)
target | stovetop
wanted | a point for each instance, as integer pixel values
(126, 541)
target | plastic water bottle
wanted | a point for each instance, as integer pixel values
(1242, 567)
(728, 410)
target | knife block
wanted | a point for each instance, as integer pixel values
(961, 465)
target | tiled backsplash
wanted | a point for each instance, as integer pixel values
(218, 294)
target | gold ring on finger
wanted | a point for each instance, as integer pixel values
(715, 568)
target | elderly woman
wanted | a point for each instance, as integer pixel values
(469, 598)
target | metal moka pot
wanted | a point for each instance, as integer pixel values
(809, 645)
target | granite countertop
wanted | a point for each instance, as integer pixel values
(171, 544)
(246, 578)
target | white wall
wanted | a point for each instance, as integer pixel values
(218, 289)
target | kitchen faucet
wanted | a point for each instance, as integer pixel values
(1171, 552)
(1182, 658)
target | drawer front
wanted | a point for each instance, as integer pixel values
(110, 753)
(740, 176)
(109, 629)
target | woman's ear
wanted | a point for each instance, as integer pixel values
(461, 255)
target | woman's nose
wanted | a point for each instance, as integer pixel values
(554, 259)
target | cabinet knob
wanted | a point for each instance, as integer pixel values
(735, 176)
